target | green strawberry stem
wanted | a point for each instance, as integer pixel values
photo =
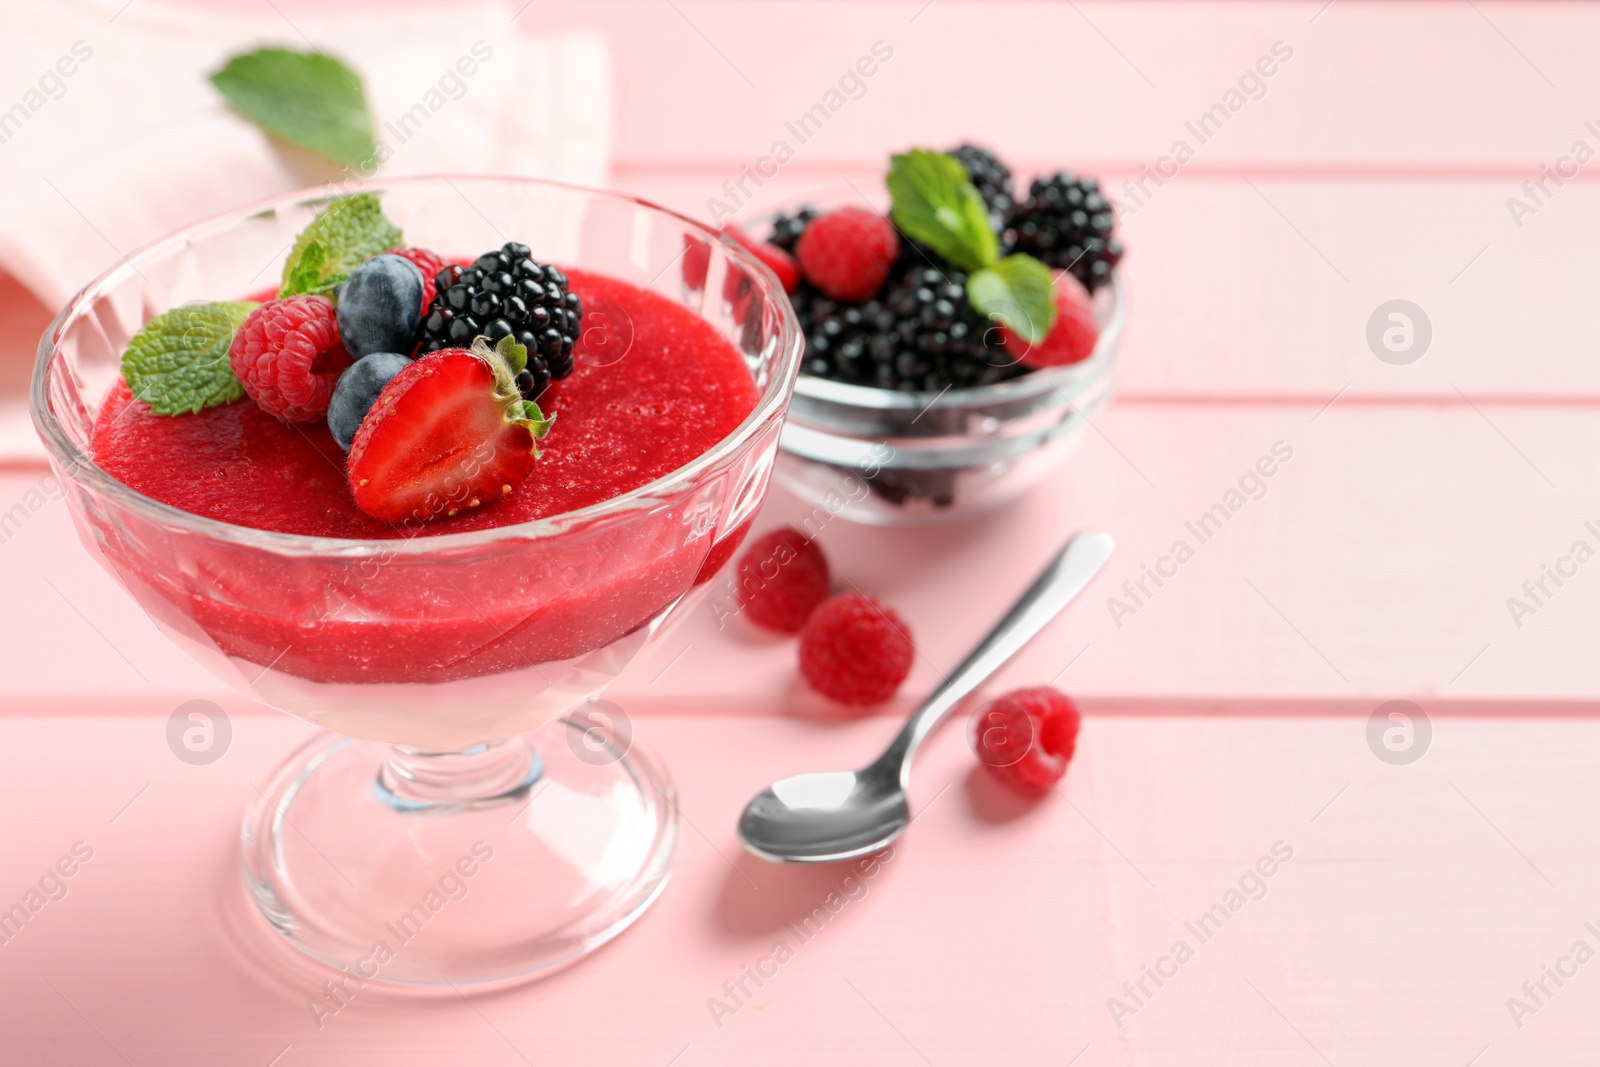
(507, 359)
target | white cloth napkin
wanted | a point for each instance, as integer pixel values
(111, 134)
(135, 141)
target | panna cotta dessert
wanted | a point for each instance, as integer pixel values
(478, 447)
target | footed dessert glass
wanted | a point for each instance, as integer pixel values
(467, 819)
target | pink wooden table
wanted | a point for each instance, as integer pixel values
(1227, 715)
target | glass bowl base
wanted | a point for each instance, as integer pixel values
(493, 866)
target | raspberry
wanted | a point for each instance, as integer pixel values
(1026, 737)
(782, 578)
(1071, 339)
(847, 253)
(855, 650)
(777, 260)
(430, 264)
(289, 357)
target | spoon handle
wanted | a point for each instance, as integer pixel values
(1063, 578)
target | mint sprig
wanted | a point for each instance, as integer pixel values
(178, 362)
(935, 202)
(349, 231)
(305, 98)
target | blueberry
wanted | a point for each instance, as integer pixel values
(358, 388)
(380, 306)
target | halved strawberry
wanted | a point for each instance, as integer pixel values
(447, 433)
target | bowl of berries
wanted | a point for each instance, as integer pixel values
(956, 346)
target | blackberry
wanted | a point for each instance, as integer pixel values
(1067, 223)
(915, 256)
(786, 229)
(993, 181)
(838, 335)
(920, 336)
(506, 292)
(946, 341)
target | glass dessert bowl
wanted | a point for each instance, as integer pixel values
(461, 824)
(890, 458)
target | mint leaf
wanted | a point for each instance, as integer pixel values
(305, 98)
(936, 203)
(1018, 291)
(306, 275)
(350, 231)
(178, 363)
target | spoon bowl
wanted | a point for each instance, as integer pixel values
(825, 816)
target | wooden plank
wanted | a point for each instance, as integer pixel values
(1424, 86)
(1377, 563)
(1414, 901)
(1265, 287)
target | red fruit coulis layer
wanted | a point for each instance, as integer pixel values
(622, 420)
(680, 388)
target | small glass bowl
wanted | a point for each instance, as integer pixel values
(888, 458)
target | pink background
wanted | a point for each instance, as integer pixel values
(1226, 715)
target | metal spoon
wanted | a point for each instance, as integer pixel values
(837, 815)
